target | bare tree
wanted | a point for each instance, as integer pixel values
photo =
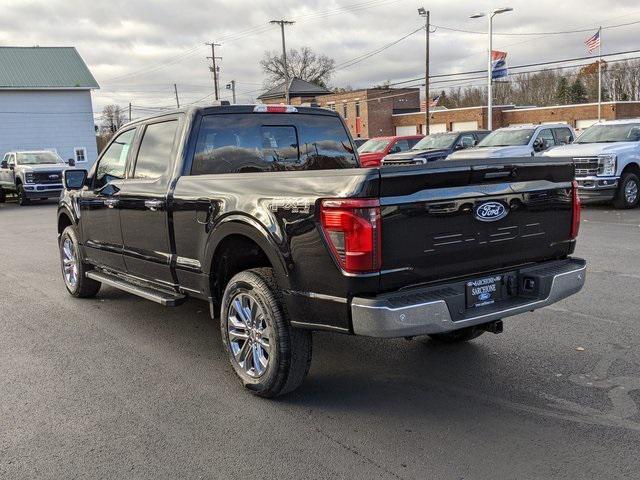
(303, 63)
(112, 118)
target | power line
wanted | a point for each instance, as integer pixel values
(525, 34)
(455, 74)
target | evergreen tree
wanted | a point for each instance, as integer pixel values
(562, 91)
(577, 92)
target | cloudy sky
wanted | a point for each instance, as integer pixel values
(137, 49)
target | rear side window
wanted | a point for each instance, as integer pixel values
(237, 143)
(154, 155)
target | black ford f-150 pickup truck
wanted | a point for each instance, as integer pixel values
(263, 212)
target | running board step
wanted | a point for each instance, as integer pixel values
(168, 299)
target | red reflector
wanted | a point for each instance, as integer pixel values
(575, 223)
(353, 230)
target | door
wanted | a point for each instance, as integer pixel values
(143, 204)
(99, 209)
(7, 175)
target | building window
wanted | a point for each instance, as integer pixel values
(80, 153)
(357, 109)
(344, 110)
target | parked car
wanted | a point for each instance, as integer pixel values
(436, 147)
(31, 175)
(260, 212)
(358, 142)
(607, 161)
(373, 151)
(519, 141)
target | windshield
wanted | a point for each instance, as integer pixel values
(37, 158)
(374, 145)
(628, 132)
(438, 140)
(507, 138)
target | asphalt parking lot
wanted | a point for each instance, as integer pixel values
(119, 387)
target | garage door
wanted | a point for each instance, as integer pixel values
(406, 130)
(459, 126)
(582, 124)
(435, 128)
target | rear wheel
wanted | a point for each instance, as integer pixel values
(3, 195)
(627, 195)
(269, 356)
(22, 196)
(73, 268)
(457, 336)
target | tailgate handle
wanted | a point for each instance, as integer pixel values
(511, 173)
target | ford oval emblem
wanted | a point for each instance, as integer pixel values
(490, 211)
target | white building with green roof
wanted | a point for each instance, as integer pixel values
(45, 102)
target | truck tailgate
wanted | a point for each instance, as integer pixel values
(459, 218)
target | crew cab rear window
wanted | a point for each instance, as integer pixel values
(239, 143)
(154, 156)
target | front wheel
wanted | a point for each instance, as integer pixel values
(73, 268)
(22, 196)
(627, 194)
(269, 356)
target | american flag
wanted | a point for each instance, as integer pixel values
(593, 42)
(434, 101)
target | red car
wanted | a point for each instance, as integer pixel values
(374, 150)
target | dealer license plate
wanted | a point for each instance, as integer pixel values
(483, 291)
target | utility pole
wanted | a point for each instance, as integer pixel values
(232, 86)
(175, 89)
(214, 68)
(282, 23)
(425, 13)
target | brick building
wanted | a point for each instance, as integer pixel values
(369, 112)
(578, 116)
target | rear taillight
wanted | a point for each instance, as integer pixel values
(353, 230)
(575, 222)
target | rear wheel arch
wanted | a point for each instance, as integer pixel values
(237, 245)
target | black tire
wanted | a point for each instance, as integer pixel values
(84, 287)
(457, 336)
(22, 197)
(3, 195)
(289, 353)
(625, 196)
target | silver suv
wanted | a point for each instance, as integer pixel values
(31, 175)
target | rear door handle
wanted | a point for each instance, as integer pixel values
(111, 202)
(153, 205)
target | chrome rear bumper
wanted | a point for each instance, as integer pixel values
(436, 309)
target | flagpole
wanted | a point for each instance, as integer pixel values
(599, 73)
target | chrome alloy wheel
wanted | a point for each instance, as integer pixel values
(249, 334)
(69, 263)
(631, 192)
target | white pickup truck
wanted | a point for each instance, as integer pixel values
(607, 162)
(518, 141)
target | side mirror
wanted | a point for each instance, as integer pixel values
(538, 145)
(395, 149)
(4, 164)
(458, 146)
(74, 179)
(71, 162)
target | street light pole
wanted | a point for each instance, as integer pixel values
(490, 16)
(425, 13)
